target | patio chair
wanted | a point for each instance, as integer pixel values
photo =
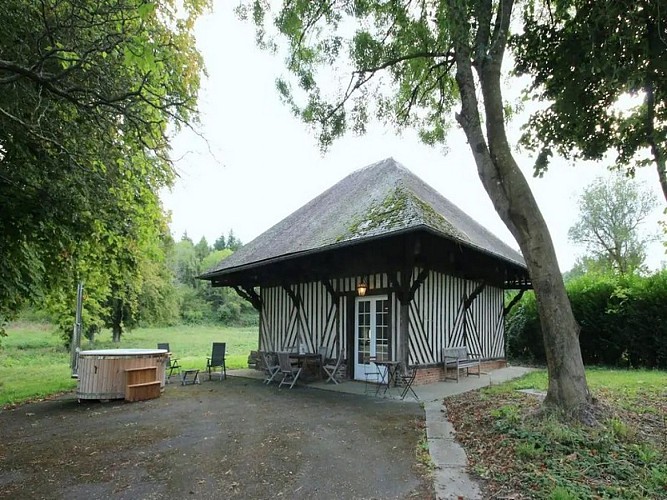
(406, 380)
(217, 359)
(172, 362)
(332, 368)
(271, 368)
(371, 372)
(290, 373)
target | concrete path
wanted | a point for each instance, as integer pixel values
(451, 479)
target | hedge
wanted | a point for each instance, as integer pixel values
(623, 321)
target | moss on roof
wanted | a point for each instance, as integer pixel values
(379, 199)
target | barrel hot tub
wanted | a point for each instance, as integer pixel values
(102, 373)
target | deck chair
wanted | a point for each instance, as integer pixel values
(406, 380)
(271, 368)
(290, 373)
(217, 359)
(172, 362)
(332, 367)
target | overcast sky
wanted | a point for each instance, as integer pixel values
(264, 163)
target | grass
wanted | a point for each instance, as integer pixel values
(34, 364)
(523, 455)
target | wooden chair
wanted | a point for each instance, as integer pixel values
(290, 373)
(172, 363)
(217, 359)
(271, 368)
(332, 369)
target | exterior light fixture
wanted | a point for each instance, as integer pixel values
(361, 288)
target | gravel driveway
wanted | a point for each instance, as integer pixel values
(230, 439)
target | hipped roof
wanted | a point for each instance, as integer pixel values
(381, 199)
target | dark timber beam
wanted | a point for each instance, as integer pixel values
(330, 289)
(513, 302)
(475, 293)
(296, 300)
(423, 274)
(248, 293)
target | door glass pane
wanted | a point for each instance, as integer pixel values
(364, 325)
(382, 330)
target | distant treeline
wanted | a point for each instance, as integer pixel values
(196, 300)
(169, 294)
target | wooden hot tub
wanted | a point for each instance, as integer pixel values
(101, 373)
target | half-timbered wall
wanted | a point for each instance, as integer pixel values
(438, 319)
(437, 316)
(315, 321)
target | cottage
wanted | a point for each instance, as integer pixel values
(379, 265)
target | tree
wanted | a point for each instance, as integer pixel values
(601, 66)
(412, 63)
(220, 243)
(89, 93)
(610, 215)
(185, 263)
(202, 249)
(233, 243)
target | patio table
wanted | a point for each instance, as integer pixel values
(305, 358)
(388, 375)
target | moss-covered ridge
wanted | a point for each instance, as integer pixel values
(400, 209)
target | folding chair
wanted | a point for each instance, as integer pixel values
(217, 359)
(371, 372)
(407, 379)
(172, 363)
(271, 369)
(332, 369)
(290, 374)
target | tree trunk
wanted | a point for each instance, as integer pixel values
(513, 199)
(117, 320)
(657, 150)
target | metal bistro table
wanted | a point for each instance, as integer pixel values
(305, 358)
(388, 375)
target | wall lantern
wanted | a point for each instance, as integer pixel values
(361, 288)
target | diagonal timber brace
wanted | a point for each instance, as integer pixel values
(248, 293)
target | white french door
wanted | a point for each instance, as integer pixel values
(371, 333)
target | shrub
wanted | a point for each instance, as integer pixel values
(623, 321)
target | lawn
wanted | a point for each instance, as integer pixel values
(34, 364)
(523, 456)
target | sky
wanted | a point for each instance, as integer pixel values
(259, 163)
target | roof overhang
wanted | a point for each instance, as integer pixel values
(516, 274)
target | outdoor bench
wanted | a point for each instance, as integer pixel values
(458, 358)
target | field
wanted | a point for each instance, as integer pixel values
(34, 364)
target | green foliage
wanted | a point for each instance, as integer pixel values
(600, 65)
(610, 215)
(401, 58)
(541, 456)
(88, 95)
(623, 321)
(199, 302)
(560, 493)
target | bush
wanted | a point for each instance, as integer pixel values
(623, 321)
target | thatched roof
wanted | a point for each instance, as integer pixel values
(381, 199)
